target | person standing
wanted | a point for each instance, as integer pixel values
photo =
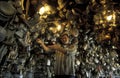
(65, 51)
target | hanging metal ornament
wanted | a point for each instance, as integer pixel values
(6, 10)
(3, 33)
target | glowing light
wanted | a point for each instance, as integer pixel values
(47, 8)
(78, 62)
(59, 27)
(44, 9)
(109, 18)
(51, 28)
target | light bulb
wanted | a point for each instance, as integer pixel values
(42, 10)
(59, 27)
(109, 18)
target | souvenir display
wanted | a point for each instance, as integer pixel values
(52, 38)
